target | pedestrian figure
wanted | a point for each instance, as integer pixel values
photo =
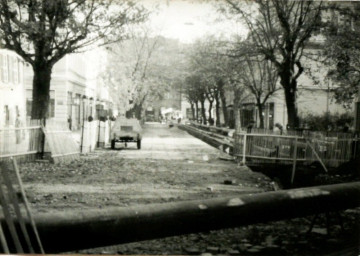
(280, 127)
(69, 122)
(250, 126)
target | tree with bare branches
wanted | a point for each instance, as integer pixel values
(44, 31)
(209, 59)
(279, 30)
(260, 78)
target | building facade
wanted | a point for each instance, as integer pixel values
(75, 91)
(12, 90)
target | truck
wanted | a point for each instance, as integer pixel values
(126, 130)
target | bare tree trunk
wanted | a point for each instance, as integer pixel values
(293, 119)
(223, 106)
(290, 86)
(237, 111)
(41, 91)
(210, 110)
(261, 117)
(192, 109)
(197, 110)
(203, 111)
(217, 108)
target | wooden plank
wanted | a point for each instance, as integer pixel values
(27, 206)
(3, 241)
(15, 202)
(317, 156)
(21, 128)
(272, 158)
(59, 131)
(9, 221)
(18, 154)
(65, 154)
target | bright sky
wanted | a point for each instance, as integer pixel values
(188, 20)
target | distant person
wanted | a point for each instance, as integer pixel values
(250, 126)
(346, 128)
(69, 122)
(279, 127)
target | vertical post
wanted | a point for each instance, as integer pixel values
(244, 149)
(294, 161)
(82, 130)
(43, 138)
(98, 141)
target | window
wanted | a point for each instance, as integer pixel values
(4, 69)
(69, 104)
(7, 115)
(28, 107)
(51, 108)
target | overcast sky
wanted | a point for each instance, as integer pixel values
(188, 20)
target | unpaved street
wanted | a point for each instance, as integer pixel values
(173, 166)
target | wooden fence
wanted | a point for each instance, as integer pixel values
(95, 134)
(59, 142)
(22, 141)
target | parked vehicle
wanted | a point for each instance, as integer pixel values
(126, 130)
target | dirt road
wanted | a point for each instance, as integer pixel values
(172, 166)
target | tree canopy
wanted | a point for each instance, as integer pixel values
(342, 49)
(44, 31)
(279, 30)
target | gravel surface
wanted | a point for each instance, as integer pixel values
(173, 166)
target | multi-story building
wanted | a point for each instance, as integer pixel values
(12, 92)
(314, 93)
(75, 92)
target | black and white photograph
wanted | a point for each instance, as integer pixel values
(180, 127)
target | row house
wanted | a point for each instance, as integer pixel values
(12, 92)
(69, 98)
(74, 89)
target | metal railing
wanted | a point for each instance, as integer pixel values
(331, 149)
